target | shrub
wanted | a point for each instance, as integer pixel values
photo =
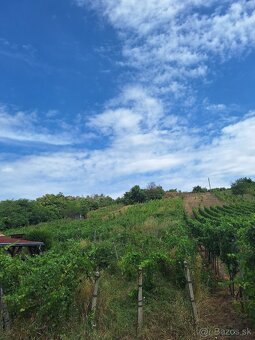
(40, 236)
(198, 188)
(154, 192)
(135, 195)
(243, 186)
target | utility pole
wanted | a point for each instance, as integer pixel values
(209, 183)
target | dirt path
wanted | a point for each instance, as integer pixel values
(220, 318)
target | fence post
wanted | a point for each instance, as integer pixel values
(94, 299)
(116, 252)
(191, 292)
(4, 314)
(140, 301)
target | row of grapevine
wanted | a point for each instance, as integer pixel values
(228, 233)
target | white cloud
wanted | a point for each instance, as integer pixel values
(133, 111)
(232, 153)
(174, 159)
(23, 127)
(116, 121)
(170, 40)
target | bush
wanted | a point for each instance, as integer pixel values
(154, 192)
(40, 236)
(135, 195)
(198, 188)
(243, 186)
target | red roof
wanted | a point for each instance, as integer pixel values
(5, 241)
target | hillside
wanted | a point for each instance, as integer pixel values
(51, 294)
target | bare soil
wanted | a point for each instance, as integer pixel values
(221, 318)
(197, 200)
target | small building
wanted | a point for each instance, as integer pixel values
(15, 246)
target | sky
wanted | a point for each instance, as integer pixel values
(99, 95)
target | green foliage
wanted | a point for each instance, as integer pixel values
(101, 255)
(43, 286)
(243, 186)
(138, 195)
(198, 188)
(22, 212)
(154, 192)
(40, 236)
(152, 236)
(229, 233)
(135, 195)
(25, 212)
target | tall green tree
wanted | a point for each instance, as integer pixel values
(154, 192)
(198, 188)
(135, 195)
(243, 186)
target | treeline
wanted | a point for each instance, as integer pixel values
(23, 212)
(242, 186)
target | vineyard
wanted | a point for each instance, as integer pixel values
(227, 234)
(49, 296)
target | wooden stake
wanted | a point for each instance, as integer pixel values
(217, 267)
(191, 292)
(95, 236)
(116, 252)
(140, 301)
(94, 298)
(4, 312)
(214, 265)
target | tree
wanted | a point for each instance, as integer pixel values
(135, 195)
(154, 192)
(23, 212)
(243, 186)
(198, 188)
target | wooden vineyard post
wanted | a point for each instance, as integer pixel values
(214, 265)
(116, 252)
(191, 292)
(217, 267)
(140, 301)
(4, 314)
(94, 299)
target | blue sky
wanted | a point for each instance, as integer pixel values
(97, 96)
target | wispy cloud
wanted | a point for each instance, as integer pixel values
(174, 158)
(133, 111)
(23, 126)
(171, 41)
